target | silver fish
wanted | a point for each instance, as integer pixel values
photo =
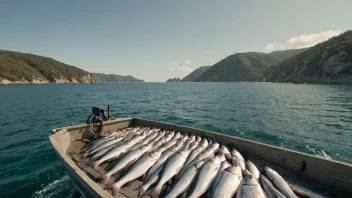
(164, 156)
(279, 182)
(145, 141)
(115, 152)
(224, 165)
(270, 189)
(204, 143)
(171, 168)
(157, 144)
(239, 161)
(100, 153)
(204, 177)
(237, 154)
(194, 154)
(253, 169)
(136, 170)
(224, 150)
(124, 161)
(249, 188)
(304, 192)
(184, 181)
(226, 183)
(149, 181)
(203, 155)
(169, 144)
(102, 146)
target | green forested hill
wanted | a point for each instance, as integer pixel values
(116, 78)
(327, 62)
(248, 66)
(16, 66)
(195, 74)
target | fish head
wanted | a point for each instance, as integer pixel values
(161, 133)
(235, 169)
(270, 173)
(235, 153)
(214, 145)
(224, 150)
(145, 147)
(221, 156)
(264, 180)
(156, 154)
(250, 180)
(215, 160)
(193, 145)
(184, 151)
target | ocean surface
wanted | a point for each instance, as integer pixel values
(315, 119)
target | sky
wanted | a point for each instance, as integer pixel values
(155, 40)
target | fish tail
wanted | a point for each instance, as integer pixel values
(114, 189)
(95, 164)
(153, 193)
(104, 179)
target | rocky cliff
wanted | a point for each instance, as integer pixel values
(23, 68)
(327, 62)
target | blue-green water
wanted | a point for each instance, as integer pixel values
(315, 119)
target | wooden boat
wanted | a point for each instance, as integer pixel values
(327, 177)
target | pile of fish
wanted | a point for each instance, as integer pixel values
(172, 164)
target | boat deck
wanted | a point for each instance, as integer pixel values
(129, 189)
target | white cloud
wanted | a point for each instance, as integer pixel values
(174, 64)
(310, 39)
(182, 69)
(188, 62)
(271, 46)
(304, 40)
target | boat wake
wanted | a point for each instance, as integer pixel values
(54, 188)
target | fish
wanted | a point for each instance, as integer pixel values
(169, 144)
(237, 154)
(224, 165)
(165, 155)
(253, 169)
(145, 141)
(203, 155)
(136, 170)
(250, 187)
(181, 184)
(193, 154)
(279, 182)
(95, 142)
(171, 168)
(304, 192)
(100, 153)
(204, 143)
(124, 161)
(117, 151)
(204, 177)
(157, 144)
(149, 181)
(169, 136)
(224, 150)
(270, 189)
(226, 183)
(102, 146)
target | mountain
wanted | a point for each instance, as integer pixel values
(16, 67)
(284, 54)
(195, 74)
(326, 62)
(174, 80)
(244, 67)
(116, 78)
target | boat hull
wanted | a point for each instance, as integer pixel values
(324, 173)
